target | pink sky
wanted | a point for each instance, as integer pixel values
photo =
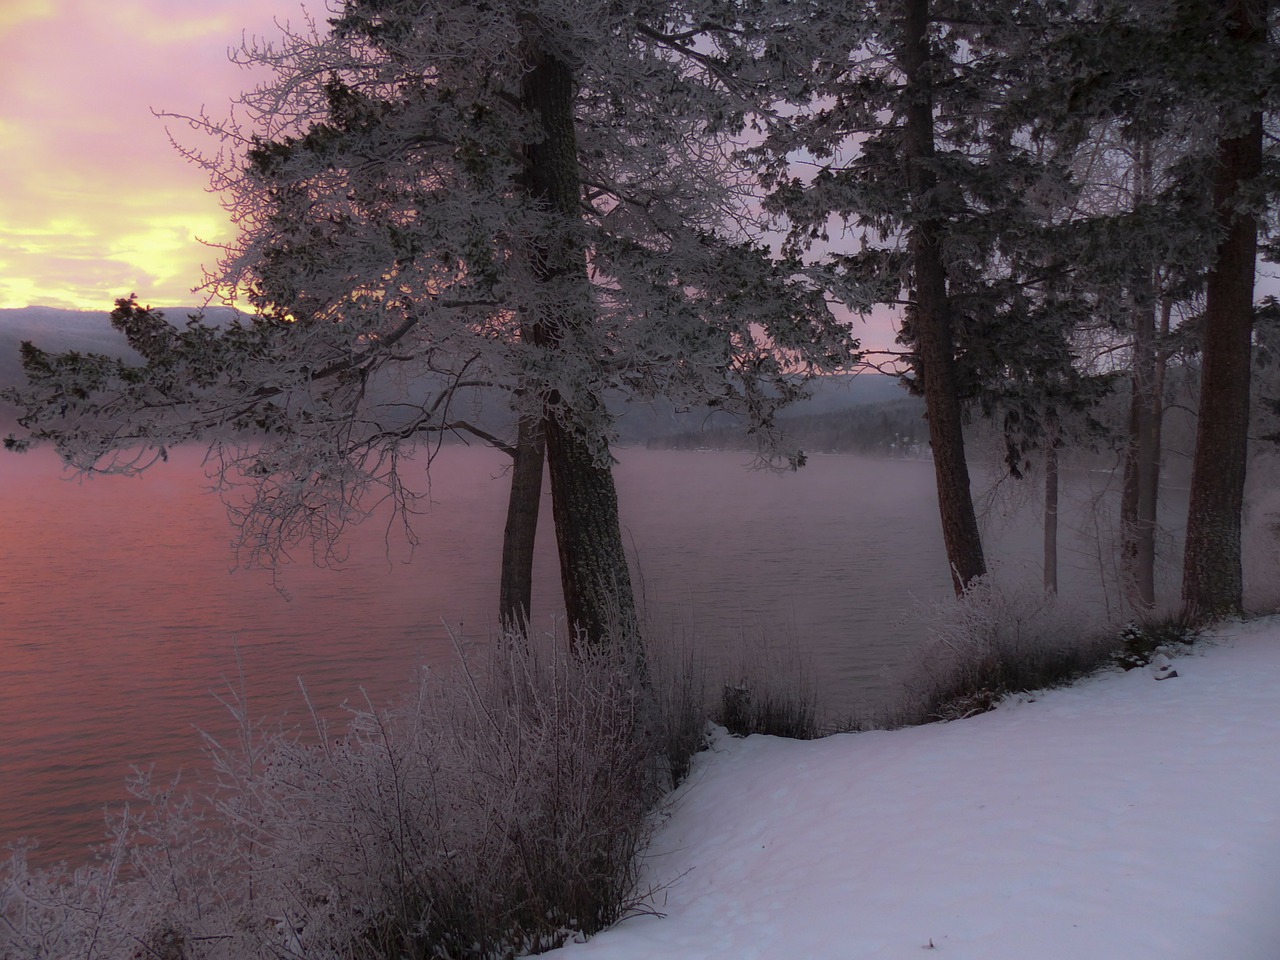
(95, 203)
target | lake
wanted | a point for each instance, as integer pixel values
(120, 611)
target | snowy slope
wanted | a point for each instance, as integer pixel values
(1122, 818)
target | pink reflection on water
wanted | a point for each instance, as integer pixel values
(119, 613)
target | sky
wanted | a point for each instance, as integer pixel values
(95, 202)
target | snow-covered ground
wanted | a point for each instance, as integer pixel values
(1121, 818)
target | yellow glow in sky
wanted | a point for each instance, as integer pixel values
(23, 10)
(96, 204)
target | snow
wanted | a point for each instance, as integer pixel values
(1119, 818)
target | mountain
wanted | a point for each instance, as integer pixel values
(90, 331)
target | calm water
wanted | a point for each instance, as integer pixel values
(119, 612)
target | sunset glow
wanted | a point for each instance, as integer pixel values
(96, 203)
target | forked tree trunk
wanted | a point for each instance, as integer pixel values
(1212, 582)
(593, 565)
(929, 314)
(515, 593)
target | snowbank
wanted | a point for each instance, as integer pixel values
(1121, 818)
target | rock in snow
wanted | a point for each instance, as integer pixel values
(1162, 667)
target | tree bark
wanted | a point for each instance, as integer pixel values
(1051, 505)
(593, 563)
(1212, 581)
(593, 566)
(515, 593)
(1140, 498)
(929, 314)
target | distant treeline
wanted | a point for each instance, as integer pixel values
(888, 428)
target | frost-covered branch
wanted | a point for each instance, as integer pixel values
(393, 251)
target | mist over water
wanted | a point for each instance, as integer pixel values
(120, 613)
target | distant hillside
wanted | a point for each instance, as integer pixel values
(88, 331)
(660, 425)
(52, 328)
(893, 427)
(826, 416)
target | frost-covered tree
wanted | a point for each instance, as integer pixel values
(1212, 580)
(538, 196)
(922, 159)
(1197, 76)
(945, 140)
(1138, 255)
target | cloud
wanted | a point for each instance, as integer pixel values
(97, 202)
(14, 16)
(154, 24)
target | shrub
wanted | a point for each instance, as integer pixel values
(1140, 641)
(679, 675)
(495, 813)
(996, 641)
(766, 689)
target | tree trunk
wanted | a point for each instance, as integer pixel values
(1140, 497)
(1142, 460)
(515, 594)
(1212, 582)
(593, 566)
(1051, 505)
(1155, 431)
(929, 314)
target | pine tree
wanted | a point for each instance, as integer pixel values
(1197, 78)
(1212, 580)
(923, 155)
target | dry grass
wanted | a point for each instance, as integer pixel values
(498, 811)
(997, 641)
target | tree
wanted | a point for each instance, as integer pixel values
(1212, 582)
(441, 198)
(929, 314)
(1194, 77)
(1137, 262)
(921, 154)
(1198, 79)
(1051, 503)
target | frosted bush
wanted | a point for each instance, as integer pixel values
(679, 675)
(766, 687)
(1000, 638)
(497, 811)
